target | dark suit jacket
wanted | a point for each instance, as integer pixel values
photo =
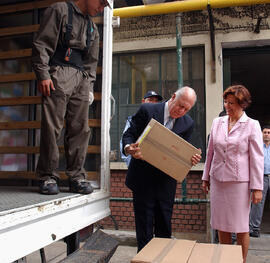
(141, 175)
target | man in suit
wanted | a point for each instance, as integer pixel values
(153, 190)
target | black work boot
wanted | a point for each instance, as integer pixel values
(81, 186)
(48, 187)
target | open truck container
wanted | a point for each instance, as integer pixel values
(30, 221)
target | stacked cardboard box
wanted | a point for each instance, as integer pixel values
(165, 250)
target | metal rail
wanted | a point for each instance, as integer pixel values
(183, 200)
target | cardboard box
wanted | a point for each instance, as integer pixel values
(165, 150)
(166, 250)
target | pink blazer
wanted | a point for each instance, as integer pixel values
(237, 155)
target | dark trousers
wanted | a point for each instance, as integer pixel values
(256, 212)
(153, 213)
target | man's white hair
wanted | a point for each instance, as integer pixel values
(186, 91)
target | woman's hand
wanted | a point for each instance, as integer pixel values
(206, 186)
(256, 196)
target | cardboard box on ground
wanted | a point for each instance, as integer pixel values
(166, 151)
(166, 250)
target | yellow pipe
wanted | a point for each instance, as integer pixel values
(181, 6)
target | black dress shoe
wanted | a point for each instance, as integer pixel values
(48, 187)
(254, 233)
(81, 186)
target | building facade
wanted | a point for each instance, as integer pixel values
(232, 49)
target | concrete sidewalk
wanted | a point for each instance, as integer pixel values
(259, 250)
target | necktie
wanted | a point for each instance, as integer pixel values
(169, 123)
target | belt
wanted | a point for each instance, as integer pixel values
(266, 174)
(67, 57)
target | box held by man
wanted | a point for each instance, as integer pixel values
(166, 151)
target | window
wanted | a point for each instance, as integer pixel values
(135, 74)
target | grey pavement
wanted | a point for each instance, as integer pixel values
(57, 251)
(125, 252)
(259, 250)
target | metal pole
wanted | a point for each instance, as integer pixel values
(179, 50)
(180, 77)
(176, 200)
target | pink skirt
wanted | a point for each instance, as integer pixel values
(230, 206)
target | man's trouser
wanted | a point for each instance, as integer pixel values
(70, 102)
(153, 208)
(256, 211)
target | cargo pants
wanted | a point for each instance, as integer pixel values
(69, 102)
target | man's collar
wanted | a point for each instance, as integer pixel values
(166, 111)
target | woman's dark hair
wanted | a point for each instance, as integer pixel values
(241, 94)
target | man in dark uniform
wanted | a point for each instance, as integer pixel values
(153, 190)
(65, 56)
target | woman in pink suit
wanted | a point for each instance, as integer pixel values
(234, 168)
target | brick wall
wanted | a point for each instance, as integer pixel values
(189, 217)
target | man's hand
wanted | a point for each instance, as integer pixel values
(256, 196)
(196, 158)
(45, 86)
(134, 150)
(206, 186)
